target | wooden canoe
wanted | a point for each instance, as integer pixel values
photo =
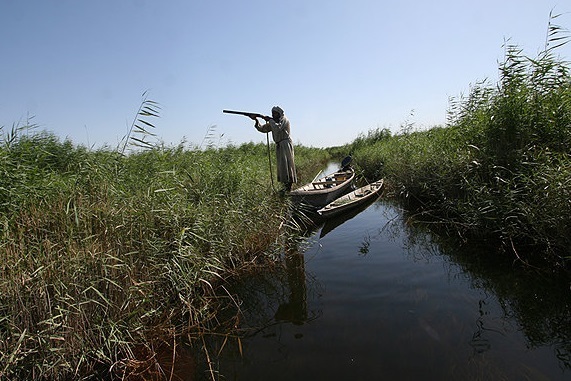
(324, 190)
(351, 200)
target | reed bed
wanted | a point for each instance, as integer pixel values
(106, 257)
(500, 169)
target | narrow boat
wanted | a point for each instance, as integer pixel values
(324, 190)
(351, 200)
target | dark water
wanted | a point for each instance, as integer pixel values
(374, 298)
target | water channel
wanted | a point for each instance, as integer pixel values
(374, 297)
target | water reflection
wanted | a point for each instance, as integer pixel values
(375, 296)
(295, 309)
(538, 303)
(280, 294)
(332, 223)
(479, 341)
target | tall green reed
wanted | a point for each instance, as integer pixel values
(105, 252)
(498, 169)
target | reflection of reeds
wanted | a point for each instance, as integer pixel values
(540, 304)
(105, 257)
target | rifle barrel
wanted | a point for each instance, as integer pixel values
(248, 114)
(235, 112)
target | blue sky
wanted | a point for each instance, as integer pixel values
(337, 68)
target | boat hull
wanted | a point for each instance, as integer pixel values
(324, 190)
(352, 200)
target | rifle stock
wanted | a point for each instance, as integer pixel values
(251, 115)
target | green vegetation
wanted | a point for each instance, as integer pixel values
(105, 256)
(501, 168)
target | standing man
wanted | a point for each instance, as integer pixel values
(278, 125)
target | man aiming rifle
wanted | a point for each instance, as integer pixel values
(278, 125)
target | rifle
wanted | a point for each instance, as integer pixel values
(251, 115)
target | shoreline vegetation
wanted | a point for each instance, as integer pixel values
(105, 257)
(108, 258)
(500, 170)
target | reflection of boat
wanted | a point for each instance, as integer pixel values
(352, 200)
(322, 191)
(335, 221)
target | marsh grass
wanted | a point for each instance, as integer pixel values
(500, 169)
(106, 255)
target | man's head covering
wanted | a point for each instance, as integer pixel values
(279, 110)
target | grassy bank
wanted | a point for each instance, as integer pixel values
(501, 169)
(105, 256)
